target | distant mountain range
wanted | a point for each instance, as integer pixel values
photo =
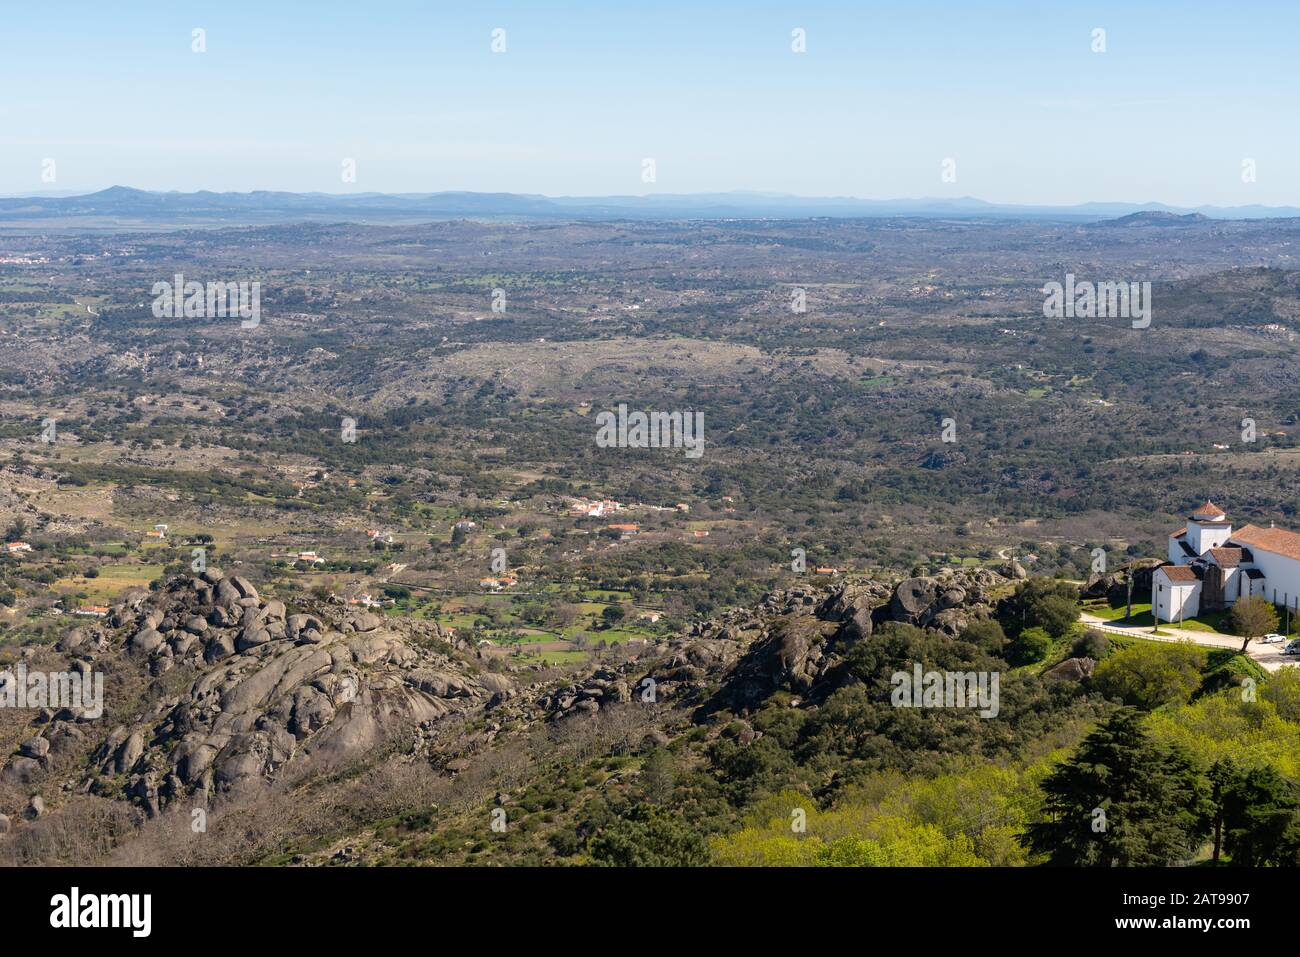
(121, 205)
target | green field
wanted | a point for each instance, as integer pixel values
(1141, 613)
(112, 581)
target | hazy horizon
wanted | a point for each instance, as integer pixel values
(1013, 98)
(633, 196)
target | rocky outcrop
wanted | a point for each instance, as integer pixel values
(798, 638)
(269, 690)
(943, 459)
(1113, 586)
(947, 602)
(856, 605)
(602, 688)
(244, 689)
(1072, 669)
(1014, 570)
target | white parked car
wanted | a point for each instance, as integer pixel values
(1293, 648)
(1272, 639)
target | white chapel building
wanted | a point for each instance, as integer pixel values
(1210, 566)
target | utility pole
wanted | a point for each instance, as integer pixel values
(1128, 574)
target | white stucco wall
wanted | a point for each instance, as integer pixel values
(1169, 601)
(1207, 537)
(1233, 579)
(1282, 576)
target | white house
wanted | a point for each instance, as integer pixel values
(1175, 593)
(1211, 566)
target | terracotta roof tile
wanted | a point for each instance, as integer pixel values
(1179, 574)
(1226, 557)
(1209, 511)
(1276, 540)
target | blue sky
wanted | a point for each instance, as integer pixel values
(585, 91)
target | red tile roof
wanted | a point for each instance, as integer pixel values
(1178, 574)
(1226, 557)
(1276, 540)
(1209, 511)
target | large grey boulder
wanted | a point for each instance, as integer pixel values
(226, 594)
(128, 752)
(856, 605)
(221, 617)
(244, 587)
(74, 641)
(912, 598)
(251, 637)
(951, 598)
(22, 770)
(295, 625)
(312, 710)
(1072, 669)
(363, 621)
(1014, 570)
(181, 642)
(145, 641)
(951, 621)
(217, 648)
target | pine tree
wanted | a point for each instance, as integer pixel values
(1122, 800)
(1260, 819)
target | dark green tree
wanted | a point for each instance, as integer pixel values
(647, 835)
(986, 634)
(1044, 603)
(1031, 645)
(1223, 773)
(1055, 614)
(1260, 819)
(1122, 800)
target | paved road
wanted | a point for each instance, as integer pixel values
(1270, 657)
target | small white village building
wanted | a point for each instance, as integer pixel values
(1211, 566)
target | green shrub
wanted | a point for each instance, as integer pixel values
(1091, 644)
(1031, 645)
(1148, 675)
